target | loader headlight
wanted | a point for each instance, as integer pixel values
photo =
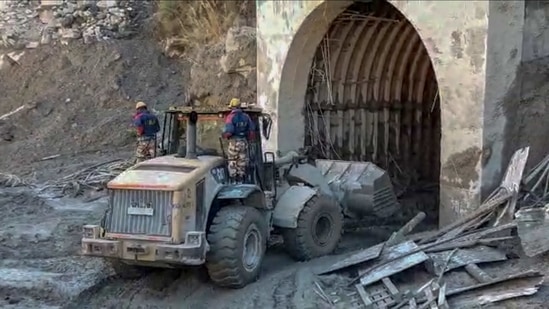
(90, 231)
(193, 238)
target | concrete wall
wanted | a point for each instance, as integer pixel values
(504, 46)
(455, 34)
(526, 107)
(536, 30)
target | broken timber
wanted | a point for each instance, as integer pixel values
(511, 181)
(379, 295)
(394, 260)
(356, 258)
(374, 252)
(463, 257)
(480, 275)
(522, 284)
(399, 235)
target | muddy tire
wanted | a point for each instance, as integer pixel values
(237, 239)
(319, 229)
(127, 271)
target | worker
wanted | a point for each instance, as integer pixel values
(147, 126)
(239, 130)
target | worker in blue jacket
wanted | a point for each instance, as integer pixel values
(147, 127)
(239, 130)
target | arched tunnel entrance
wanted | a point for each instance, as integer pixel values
(372, 95)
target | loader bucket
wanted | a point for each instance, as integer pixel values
(362, 188)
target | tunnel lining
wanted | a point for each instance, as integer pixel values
(379, 73)
(372, 95)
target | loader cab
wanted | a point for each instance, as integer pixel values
(206, 135)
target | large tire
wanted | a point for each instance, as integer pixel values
(127, 271)
(237, 239)
(319, 229)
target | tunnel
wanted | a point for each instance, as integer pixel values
(372, 95)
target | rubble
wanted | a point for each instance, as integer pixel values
(459, 247)
(26, 24)
(94, 177)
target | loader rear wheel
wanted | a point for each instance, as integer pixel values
(319, 229)
(237, 239)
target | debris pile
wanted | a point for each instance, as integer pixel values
(25, 24)
(9, 180)
(94, 177)
(461, 247)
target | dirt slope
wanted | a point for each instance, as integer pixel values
(80, 98)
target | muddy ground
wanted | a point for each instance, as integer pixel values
(79, 99)
(40, 267)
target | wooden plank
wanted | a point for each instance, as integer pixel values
(374, 274)
(414, 294)
(463, 257)
(484, 209)
(364, 296)
(467, 244)
(515, 276)
(398, 237)
(412, 304)
(495, 293)
(474, 271)
(466, 240)
(430, 300)
(459, 230)
(390, 286)
(533, 228)
(441, 300)
(511, 181)
(391, 253)
(354, 258)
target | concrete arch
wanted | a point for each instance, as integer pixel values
(305, 41)
(378, 67)
(289, 34)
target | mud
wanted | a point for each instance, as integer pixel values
(40, 266)
(39, 241)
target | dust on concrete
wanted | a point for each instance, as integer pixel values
(462, 167)
(526, 108)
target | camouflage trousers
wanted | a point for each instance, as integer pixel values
(237, 157)
(145, 149)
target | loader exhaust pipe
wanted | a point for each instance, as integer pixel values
(191, 136)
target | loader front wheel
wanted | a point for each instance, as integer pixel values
(238, 241)
(319, 229)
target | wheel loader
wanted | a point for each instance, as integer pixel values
(180, 208)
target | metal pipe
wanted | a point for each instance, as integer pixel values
(191, 136)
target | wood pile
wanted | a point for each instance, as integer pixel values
(94, 177)
(464, 245)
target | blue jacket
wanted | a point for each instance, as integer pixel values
(146, 124)
(239, 124)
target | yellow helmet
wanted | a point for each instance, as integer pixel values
(140, 105)
(234, 102)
